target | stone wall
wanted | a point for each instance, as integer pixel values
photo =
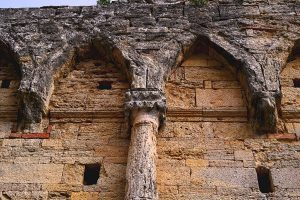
(230, 78)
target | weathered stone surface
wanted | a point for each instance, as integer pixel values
(85, 196)
(225, 177)
(211, 98)
(31, 173)
(285, 177)
(202, 153)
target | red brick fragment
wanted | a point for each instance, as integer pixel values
(280, 136)
(36, 136)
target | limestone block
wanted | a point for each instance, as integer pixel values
(198, 74)
(196, 163)
(196, 60)
(225, 177)
(177, 76)
(243, 155)
(219, 155)
(169, 162)
(52, 144)
(31, 159)
(62, 187)
(173, 176)
(73, 174)
(85, 196)
(30, 173)
(111, 151)
(181, 97)
(164, 189)
(5, 129)
(225, 163)
(12, 142)
(200, 190)
(226, 84)
(286, 177)
(211, 98)
(233, 130)
(111, 173)
(290, 97)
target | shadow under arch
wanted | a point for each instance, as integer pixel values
(10, 77)
(261, 103)
(295, 51)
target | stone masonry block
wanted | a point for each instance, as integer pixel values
(73, 174)
(85, 196)
(227, 177)
(174, 176)
(197, 74)
(196, 163)
(219, 98)
(243, 155)
(286, 177)
(180, 96)
(30, 173)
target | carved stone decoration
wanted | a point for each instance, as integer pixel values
(146, 109)
(146, 99)
(264, 113)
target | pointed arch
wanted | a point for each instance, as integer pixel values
(261, 103)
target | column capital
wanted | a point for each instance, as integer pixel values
(147, 100)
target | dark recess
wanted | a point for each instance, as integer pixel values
(5, 84)
(296, 83)
(91, 174)
(264, 180)
(105, 85)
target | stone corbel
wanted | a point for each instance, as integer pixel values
(264, 115)
(146, 110)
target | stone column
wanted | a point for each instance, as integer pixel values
(146, 111)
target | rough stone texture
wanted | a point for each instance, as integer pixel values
(141, 164)
(245, 51)
(31, 173)
(148, 49)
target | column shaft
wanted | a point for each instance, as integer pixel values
(141, 168)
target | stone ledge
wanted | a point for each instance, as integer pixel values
(208, 112)
(57, 114)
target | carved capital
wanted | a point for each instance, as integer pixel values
(149, 100)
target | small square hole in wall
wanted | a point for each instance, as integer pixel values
(105, 85)
(264, 180)
(91, 174)
(296, 82)
(5, 83)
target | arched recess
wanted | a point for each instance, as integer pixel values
(87, 108)
(290, 88)
(261, 103)
(10, 77)
(206, 84)
(93, 82)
